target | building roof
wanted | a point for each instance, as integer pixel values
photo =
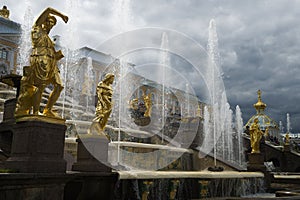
(9, 27)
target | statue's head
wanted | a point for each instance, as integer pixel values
(109, 77)
(50, 22)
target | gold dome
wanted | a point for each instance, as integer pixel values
(264, 120)
(259, 106)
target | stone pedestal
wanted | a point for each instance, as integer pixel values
(286, 148)
(92, 153)
(37, 147)
(256, 162)
(9, 110)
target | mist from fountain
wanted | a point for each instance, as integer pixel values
(25, 43)
(122, 15)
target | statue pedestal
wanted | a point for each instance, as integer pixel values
(9, 111)
(256, 162)
(286, 148)
(37, 147)
(92, 153)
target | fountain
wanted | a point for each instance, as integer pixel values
(219, 126)
(287, 135)
(165, 62)
(239, 130)
(288, 123)
(169, 137)
(164, 142)
(25, 44)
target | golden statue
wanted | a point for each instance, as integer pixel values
(255, 136)
(148, 104)
(287, 139)
(104, 104)
(134, 104)
(43, 67)
(4, 12)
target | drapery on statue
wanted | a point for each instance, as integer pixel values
(255, 136)
(43, 68)
(104, 104)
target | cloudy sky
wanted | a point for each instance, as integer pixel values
(259, 40)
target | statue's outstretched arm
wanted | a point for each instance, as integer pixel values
(42, 18)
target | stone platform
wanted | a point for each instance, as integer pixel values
(37, 147)
(57, 186)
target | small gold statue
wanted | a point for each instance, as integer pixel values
(104, 104)
(255, 136)
(134, 104)
(287, 139)
(43, 67)
(148, 104)
(4, 12)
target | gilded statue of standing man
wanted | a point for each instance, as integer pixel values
(104, 104)
(43, 64)
(255, 136)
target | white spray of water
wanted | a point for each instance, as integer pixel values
(122, 21)
(87, 87)
(165, 61)
(25, 45)
(281, 126)
(70, 41)
(218, 130)
(288, 123)
(239, 130)
(122, 15)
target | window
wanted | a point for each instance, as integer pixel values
(4, 54)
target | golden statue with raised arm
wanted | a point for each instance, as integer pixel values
(255, 136)
(43, 66)
(104, 104)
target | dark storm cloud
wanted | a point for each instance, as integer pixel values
(259, 42)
